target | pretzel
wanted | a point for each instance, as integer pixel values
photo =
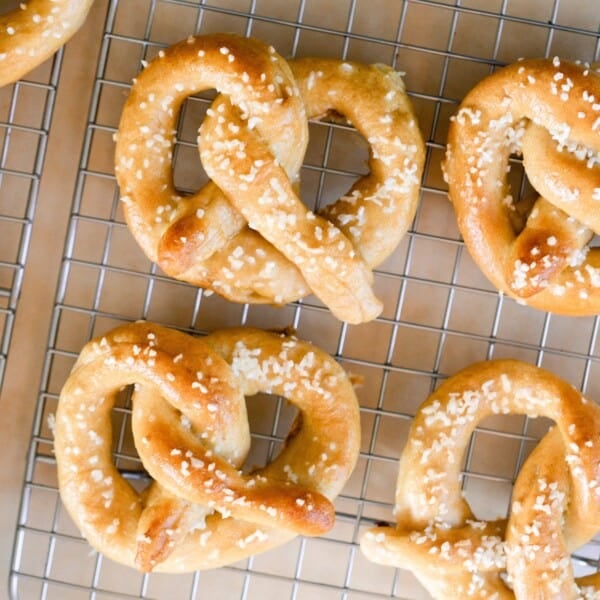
(35, 31)
(548, 110)
(191, 432)
(287, 251)
(556, 499)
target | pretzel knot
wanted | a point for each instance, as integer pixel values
(33, 32)
(556, 498)
(548, 111)
(190, 430)
(246, 234)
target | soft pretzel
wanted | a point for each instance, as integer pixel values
(33, 32)
(548, 110)
(191, 432)
(556, 500)
(288, 251)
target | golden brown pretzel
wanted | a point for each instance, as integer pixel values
(556, 503)
(191, 432)
(288, 251)
(548, 110)
(33, 32)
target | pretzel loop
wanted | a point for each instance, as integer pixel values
(167, 225)
(33, 32)
(556, 504)
(547, 111)
(191, 432)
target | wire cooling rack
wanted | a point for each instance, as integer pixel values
(440, 312)
(26, 109)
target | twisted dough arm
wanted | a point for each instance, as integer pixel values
(376, 211)
(543, 495)
(332, 268)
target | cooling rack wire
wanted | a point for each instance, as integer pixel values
(440, 313)
(26, 110)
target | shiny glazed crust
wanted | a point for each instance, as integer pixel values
(191, 431)
(555, 508)
(548, 110)
(35, 31)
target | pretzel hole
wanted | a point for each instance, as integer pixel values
(272, 419)
(335, 159)
(188, 173)
(521, 195)
(498, 448)
(125, 456)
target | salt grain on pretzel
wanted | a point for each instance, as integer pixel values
(556, 500)
(288, 251)
(548, 111)
(190, 429)
(33, 32)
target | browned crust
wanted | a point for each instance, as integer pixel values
(191, 431)
(551, 103)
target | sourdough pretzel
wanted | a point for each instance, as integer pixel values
(556, 505)
(287, 252)
(191, 432)
(548, 110)
(33, 32)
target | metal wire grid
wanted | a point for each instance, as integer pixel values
(26, 109)
(430, 287)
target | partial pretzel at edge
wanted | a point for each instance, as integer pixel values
(33, 32)
(548, 110)
(437, 536)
